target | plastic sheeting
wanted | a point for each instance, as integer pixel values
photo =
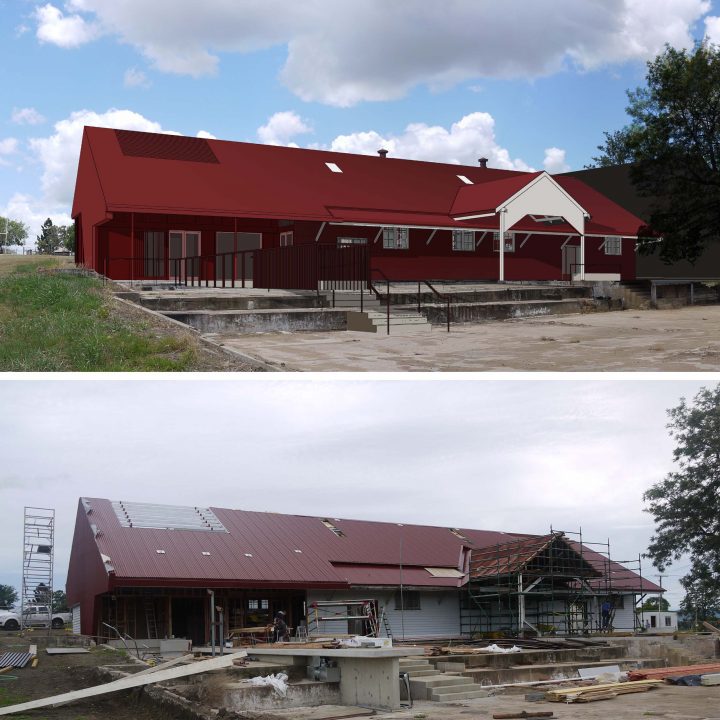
(278, 682)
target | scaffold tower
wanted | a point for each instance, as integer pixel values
(38, 556)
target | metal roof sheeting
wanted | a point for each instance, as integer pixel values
(261, 549)
(254, 180)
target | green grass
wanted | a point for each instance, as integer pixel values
(51, 321)
(8, 697)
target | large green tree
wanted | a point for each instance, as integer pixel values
(8, 595)
(686, 503)
(673, 145)
(48, 241)
(12, 232)
(59, 601)
(66, 236)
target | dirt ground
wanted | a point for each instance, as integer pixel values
(668, 702)
(57, 674)
(63, 673)
(683, 339)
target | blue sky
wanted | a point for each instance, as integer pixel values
(529, 83)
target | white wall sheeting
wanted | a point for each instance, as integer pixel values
(439, 614)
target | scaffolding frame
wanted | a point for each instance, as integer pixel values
(342, 610)
(552, 584)
(38, 561)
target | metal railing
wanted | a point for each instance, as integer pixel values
(295, 267)
(445, 298)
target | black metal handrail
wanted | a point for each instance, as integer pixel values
(442, 297)
(446, 298)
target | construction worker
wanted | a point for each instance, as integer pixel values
(280, 628)
(606, 612)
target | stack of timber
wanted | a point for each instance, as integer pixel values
(677, 671)
(607, 691)
(479, 647)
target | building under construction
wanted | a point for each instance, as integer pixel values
(159, 571)
(548, 585)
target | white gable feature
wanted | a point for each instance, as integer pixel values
(543, 196)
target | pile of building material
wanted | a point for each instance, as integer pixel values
(514, 644)
(590, 693)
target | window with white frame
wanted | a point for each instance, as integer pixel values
(286, 238)
(396, 238)
(613, 245)
(463, 240)
(509, 242)
(346, 241)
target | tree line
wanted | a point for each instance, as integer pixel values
(51, 238)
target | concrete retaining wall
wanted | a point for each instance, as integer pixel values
(263, 320)
(227, 302)
(241, 698)
(502, 294)
(482, 312)
(674, 650)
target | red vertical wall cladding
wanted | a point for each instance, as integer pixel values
(87, 577)
(537, 258)
(88, 198)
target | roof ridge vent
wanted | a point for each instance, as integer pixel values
(382, 152)
(483, 162)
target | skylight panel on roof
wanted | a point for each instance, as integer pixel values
(166, 517)
(333, 167)
(466, 180)
(328, 524)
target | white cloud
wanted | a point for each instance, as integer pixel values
(59, 153)
(554, 161)
(26, 116)
(8, 146)
(66, 31)
(205, 134)
(712, 29)
(34, 212)
(281, 128)
(57, 156)
(468, 139)
(437, 43)
(135, 78)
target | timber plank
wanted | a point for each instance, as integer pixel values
(129, 682)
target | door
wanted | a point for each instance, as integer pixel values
(570, 261)
(225, 243)
(184, 250)
(188, 619)
(154, 254)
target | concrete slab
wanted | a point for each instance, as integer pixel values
(683, 339)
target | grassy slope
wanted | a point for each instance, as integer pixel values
(56, 322)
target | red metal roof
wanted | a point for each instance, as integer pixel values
(486, 197)
(392, 575)
(148, 172)
(261, 549)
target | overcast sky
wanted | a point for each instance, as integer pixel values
(517, 455)
(525, 83)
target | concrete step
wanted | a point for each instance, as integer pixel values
(419, 673)
(547, 671)
(478, 692)
(416, 665)
(442, 692)
(373, 321)
(420, 688)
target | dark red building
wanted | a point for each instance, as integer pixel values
(151, 206)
